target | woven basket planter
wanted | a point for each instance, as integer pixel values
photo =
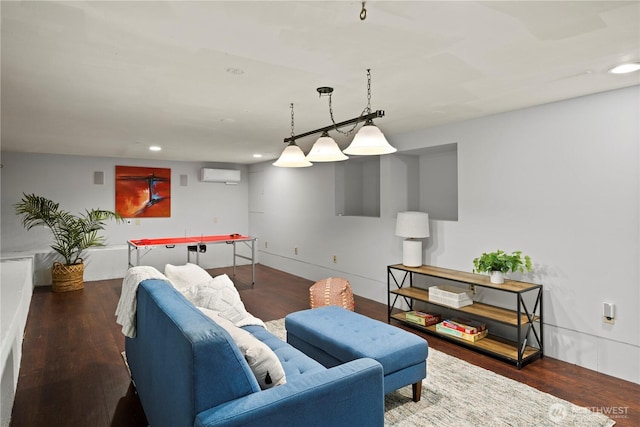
(65, 278)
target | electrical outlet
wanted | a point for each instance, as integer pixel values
(137, 221)
(608, 313)
(215, 219)
(266, 245)
(335, 259)
(295, 251)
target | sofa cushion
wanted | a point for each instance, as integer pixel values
(263, 362)
(184, 276)
(295, 363)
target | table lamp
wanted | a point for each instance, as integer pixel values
(413, 226)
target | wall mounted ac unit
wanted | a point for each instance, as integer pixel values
(228, 176)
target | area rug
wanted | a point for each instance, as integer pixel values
(459, 394)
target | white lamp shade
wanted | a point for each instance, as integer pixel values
(326, 149)
(412, 224)
(292, 157)
(369, 141)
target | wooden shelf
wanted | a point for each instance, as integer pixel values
(469, 278)
(525, 327)
(498, 314)
(492, 344)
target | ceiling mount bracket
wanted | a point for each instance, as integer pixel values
(325, 90)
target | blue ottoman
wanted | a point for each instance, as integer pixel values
(332, 336)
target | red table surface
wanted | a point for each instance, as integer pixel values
(182, 240)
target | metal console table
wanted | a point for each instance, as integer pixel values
(526, 318)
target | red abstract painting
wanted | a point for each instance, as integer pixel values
(143, 192)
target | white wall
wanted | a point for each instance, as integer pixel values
(69, 181)
(559, 182)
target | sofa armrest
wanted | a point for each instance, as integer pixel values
(346, 395)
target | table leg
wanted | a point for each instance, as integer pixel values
(253, 262)
(234, 259)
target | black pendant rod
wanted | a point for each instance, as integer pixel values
(370, 116)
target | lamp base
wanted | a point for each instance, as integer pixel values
(412, 253)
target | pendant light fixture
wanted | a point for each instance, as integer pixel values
(325, 149)
(369, 140)
(292, 156)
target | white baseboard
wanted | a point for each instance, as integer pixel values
(608, 357)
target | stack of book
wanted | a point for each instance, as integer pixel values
(452, 296)
(466, 329)
(423, 319)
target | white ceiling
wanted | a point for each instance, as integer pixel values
(212, 81)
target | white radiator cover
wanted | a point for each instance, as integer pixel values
(229, 176)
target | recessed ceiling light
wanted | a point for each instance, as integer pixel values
(625, 68)
(155, 148)
(257, 156)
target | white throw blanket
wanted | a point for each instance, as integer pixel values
(126, 310)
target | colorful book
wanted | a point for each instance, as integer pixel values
(459, 334)
(420, 318)
(467, 326)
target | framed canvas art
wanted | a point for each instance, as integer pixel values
(143, 192)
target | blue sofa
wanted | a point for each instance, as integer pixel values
(189, 372)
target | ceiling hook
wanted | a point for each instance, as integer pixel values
(363, 12)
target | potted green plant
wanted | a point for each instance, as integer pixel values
(72, 234)
(499, 262)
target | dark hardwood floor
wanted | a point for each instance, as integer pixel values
(72, 373)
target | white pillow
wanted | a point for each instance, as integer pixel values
(263, 362)
(220, 295)
(184, 276)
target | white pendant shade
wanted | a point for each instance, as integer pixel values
(326, 149)
(292, 157)
(369, 141)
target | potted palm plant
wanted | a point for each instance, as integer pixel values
(72, 234)
(499, 262)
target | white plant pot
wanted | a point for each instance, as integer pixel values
(497, 277)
